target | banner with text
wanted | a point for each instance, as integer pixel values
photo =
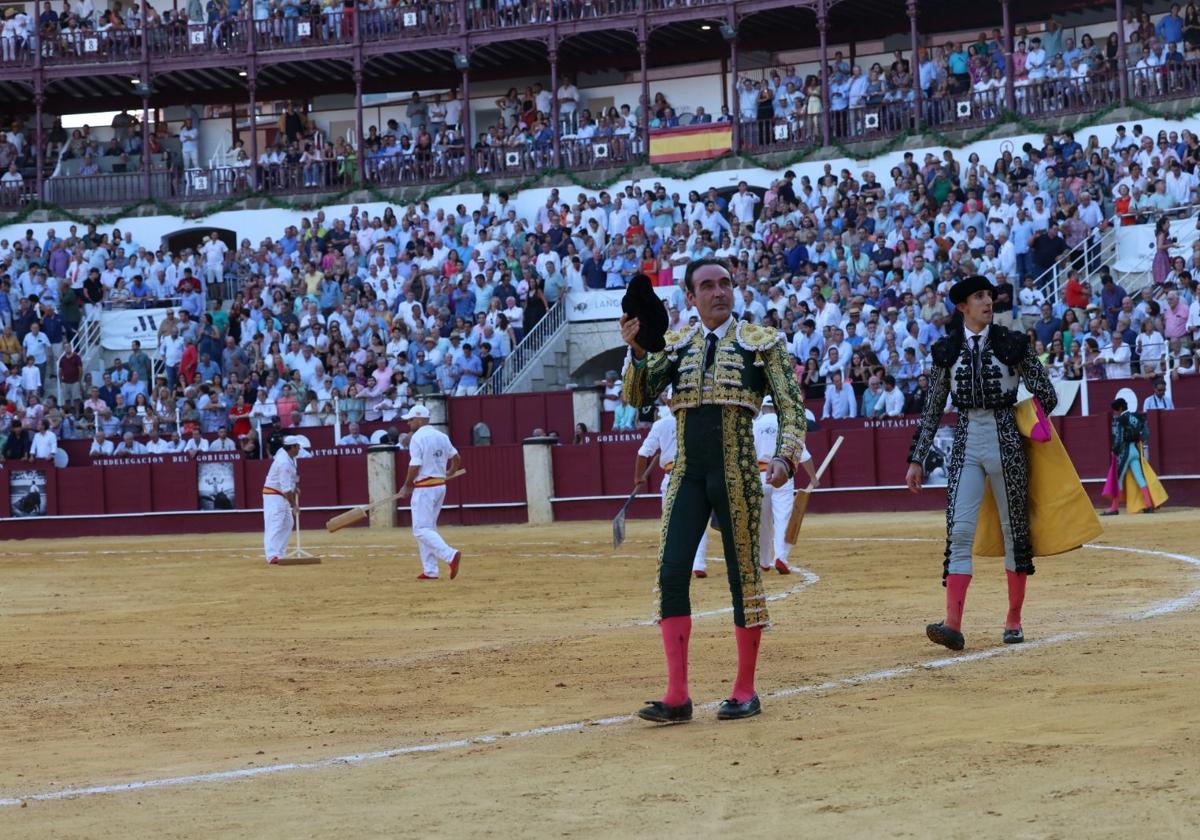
(604, 304)
(119, 328)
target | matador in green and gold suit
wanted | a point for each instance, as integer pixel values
(716, 395)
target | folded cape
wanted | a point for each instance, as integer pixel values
(1061, 516)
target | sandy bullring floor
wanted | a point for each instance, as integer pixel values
(147, 660)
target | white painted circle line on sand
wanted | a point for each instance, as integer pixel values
(1174, 605)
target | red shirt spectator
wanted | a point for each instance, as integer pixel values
(240, 415)
(188, 362)
(1075, 295)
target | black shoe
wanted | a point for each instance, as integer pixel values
(1109, 512)
(733, 710)
(660, 712)
(1013, 637)
(941, 634)
(1149, 510)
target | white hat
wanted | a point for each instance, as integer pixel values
(296, 440)
(415, 412)
(768, 401)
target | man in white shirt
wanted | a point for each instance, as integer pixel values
(213, 251)
(891, 402)
(281, 496)
(189, 145)
(1116, 358)
(1030, 302)
(353, 438)
(742, 203)
(431, 458)
(195, 444)
(839, 399)
(1159, 400)
(129, 447)
(101, 445)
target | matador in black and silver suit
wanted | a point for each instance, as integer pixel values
(979, 366)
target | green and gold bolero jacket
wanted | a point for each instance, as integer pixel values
(751, 361)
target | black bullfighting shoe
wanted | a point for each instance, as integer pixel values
(941, 634)
(733, 710)
(659, 712)
(1013, 637)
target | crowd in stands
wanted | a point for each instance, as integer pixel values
(353, 316)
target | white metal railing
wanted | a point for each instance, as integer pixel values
(528, 350)
(1101, 251)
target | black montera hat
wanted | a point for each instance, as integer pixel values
(968, 286)
(640, 302)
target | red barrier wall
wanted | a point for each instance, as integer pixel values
(142, 496)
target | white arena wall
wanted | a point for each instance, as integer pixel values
(259, 224)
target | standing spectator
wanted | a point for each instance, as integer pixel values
(70, 375)
(1030, 302)
(189, 144)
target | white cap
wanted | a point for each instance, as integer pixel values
(415, 412)
(768, 401)
(296, 440)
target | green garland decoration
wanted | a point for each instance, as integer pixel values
(608, 178)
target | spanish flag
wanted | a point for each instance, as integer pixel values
(690, 142)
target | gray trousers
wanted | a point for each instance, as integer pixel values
(979, 457)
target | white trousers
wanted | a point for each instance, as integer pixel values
(699, 564)
(426, 506)
(277, 525)
(776, 509)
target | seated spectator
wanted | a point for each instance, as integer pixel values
(129, 447)
(353, 437)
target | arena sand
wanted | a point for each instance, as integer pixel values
(143, 659)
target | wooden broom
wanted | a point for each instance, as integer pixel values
(800, 503)
(358, 514)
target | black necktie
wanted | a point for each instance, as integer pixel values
(976, 370)
(710, 350)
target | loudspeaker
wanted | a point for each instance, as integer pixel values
(728, 32)
(461, 62)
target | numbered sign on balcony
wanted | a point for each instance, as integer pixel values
(410, 19)
(91, 45)
(196, 37)
(304, 29)
(200, 183)
(781, 132)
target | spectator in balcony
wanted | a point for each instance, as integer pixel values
(189, 144)
(353, 437)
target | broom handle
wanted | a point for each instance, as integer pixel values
(396, 496)
(828, 457)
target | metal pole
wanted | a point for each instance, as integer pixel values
(1122, 64)
(360, 156)
(465, 127)
(1010, 86)
(822, 28)
(554, 101)
(736, 110)
(39, 100)
(918, 94)
(643, 50)
(146, 140)
(251, 85)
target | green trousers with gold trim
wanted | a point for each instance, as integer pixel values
(715, 471)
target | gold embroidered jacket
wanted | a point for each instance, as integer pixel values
(751, 361)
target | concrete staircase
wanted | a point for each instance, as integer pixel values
(550, 370)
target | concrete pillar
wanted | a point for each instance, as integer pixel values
(539, 479)
(381, 483)
(587, 403)
(439, 411)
